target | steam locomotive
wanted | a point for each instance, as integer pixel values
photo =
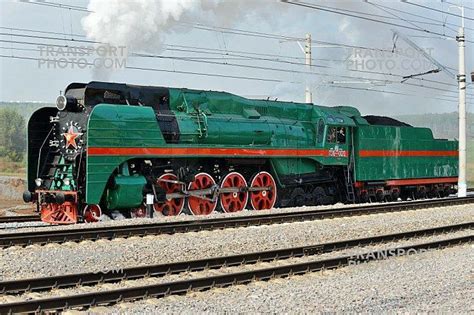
(111, 148)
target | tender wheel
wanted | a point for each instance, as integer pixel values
(92, 213)
(197, 205)
(379, 195)
(364, 196)
(234, 201)
(298, 197)
(446, 192)
(319, 196)
(170, 206)
(395, 195)
(263, 199)
(421, 193)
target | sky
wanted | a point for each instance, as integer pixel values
(249, 48)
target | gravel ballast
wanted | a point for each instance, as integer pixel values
(436, 281)
(206, 273)
(158, 218)
(88, 256)
(107, 221)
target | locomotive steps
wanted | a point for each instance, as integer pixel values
(110, 232)
(283, 263)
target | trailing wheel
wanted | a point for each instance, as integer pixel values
(174, 206)
(92, 213)
(203, 204)
(233, 201)
(265, 198)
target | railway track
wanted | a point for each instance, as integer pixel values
(222, 280)
(20, 218)
(110, 232)
(36, 218)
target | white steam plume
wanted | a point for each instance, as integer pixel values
(142, 25)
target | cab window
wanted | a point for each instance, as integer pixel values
(336, 135)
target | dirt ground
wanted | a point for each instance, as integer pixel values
(13, 207)
(11, 191)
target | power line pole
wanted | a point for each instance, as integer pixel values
(462, 187)
(307, 53)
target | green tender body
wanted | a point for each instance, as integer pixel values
(387, 138)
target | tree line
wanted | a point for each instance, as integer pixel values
(12, 135)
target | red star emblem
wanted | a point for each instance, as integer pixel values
(71, 137)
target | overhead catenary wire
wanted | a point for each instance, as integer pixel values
(210, 51)
(393, 14)
(161, 70)
(338, 11)
(183, 47)
(381, 81)
(273, 36)
(465, 6)
(389, 92)
(268, 68)
(85, 9)
(57, 5)
(195, 25)
(213, 75)
(168, 57)
(436, 10)
(444, 23)
(291, 71)
(436, 23)
(236, 31)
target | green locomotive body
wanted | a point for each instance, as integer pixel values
(109, 145)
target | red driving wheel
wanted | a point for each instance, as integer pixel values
(92, 213)
(200, 206)
(172, 206)
(233, 201)
(263, 199)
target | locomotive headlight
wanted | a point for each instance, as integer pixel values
(61, 102)
(66, 103)
(38, 182)
(67, 181)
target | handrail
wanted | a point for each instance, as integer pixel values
(39, 155)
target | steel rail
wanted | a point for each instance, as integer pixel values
(93, 278)
(110, 232)
(223, 280)
(20, 218)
